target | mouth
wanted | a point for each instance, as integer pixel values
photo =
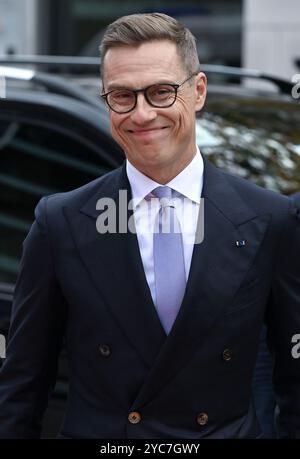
(145, 132)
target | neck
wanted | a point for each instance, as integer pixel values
(163, 175)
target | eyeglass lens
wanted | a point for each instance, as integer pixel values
(161, 95)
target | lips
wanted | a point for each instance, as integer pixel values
(145, 131)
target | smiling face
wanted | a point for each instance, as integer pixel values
(160, 142)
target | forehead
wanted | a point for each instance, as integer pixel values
(138, 66)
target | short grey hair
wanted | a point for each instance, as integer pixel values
(135, 29)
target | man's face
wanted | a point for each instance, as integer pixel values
(155, 140)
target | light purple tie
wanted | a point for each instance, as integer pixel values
(168, 258)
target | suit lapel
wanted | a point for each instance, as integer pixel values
(114, 264)
(217, 269)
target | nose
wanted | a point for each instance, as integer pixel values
(143, 112)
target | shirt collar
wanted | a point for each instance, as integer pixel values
(188, 182)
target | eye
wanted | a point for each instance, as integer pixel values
(121, 96)
(161, 92)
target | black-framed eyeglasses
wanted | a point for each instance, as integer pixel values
(161, 95)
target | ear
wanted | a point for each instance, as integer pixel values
(200, 91)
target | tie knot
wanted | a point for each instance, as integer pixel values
(163, 192)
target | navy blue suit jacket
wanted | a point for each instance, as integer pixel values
(91, 289)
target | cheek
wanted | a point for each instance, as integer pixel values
(185, 118)
(116, 129)
(114, 123)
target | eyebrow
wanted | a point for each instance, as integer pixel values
(120, 86)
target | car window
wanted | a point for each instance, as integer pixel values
(257, 139)
(35, 161)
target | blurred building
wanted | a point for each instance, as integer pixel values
(19, 32)
(271, 36)
(253, 33)
(75, 27)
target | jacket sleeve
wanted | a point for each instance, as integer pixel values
(35, 336)
(283, 324)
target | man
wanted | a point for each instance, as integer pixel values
(145, 362)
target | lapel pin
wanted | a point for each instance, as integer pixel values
(241, 243)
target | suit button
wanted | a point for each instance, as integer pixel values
(227, 355)
(134, 417)
(202, 419)
(104, 350)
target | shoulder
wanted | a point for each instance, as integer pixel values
(75, 198)
(259, 199)
(283, 211)
(296, 198)
(256, 196)
(235, 196)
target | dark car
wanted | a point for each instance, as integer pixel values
(55, 136)
(51, 139)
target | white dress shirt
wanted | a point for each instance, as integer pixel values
(187, 186)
